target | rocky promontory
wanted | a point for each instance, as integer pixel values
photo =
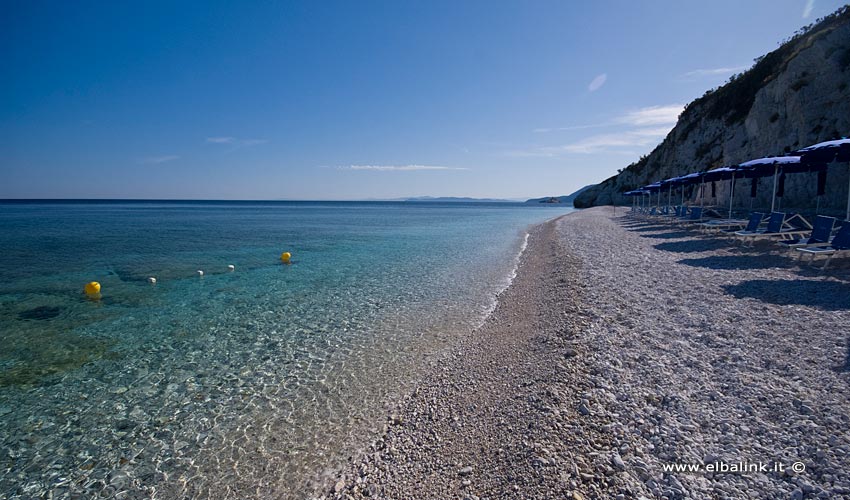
(793, 97)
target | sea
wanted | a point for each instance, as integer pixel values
(256, 381)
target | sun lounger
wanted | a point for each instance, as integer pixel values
(721, 224)
(699, 215)
(840, 245)
(753, 223)
(821, 234)
(777, 227)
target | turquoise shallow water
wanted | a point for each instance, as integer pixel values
(236, 384)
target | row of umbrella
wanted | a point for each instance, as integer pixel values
(810, 159)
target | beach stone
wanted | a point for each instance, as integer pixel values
(617, 461)
(119, 479)
(465, 471)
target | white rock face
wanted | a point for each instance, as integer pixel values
(802, 98)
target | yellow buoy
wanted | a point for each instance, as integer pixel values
(92, 289)
(285, 256)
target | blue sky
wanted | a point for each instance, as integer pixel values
(355, 100)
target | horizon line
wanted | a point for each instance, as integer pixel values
(397, 199)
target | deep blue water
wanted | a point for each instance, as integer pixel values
(162, 382)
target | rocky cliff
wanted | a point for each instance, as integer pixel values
(793, 97)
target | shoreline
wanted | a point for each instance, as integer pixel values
(420, 417)
(620, 348)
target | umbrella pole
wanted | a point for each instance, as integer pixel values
(669, 194)
(731, 194)
(683, 195)
(773, 199)
(701, 193)
(847, 217)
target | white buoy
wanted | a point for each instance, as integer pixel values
(152, 280)
(200, 273)
(231, 267)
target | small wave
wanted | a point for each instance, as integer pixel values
(504, 285)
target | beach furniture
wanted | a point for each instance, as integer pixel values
(777, 227)
(724, 224)
(701, 214)
(821, 234)
(694, 215)
(676, 213)
(752, 224)
(839, 246)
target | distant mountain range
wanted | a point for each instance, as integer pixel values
(465, 199)
(559, 199)
(450, 199)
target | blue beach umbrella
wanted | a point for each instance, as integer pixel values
(722, 174)
(633, 194)
(669, 183)
(828, 152)
(762, 167)
(655, 187)
(689, 180)
(694, 178)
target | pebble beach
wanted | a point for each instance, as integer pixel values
(623, 349)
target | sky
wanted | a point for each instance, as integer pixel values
(357, 100)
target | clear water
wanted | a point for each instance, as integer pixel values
(244, 384)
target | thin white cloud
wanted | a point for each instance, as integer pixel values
(807, 10)
(397, 168)
(154, 160)
(601, 143)
(531, 153)
(701, 73)
(639, 128)
(572, 127)
(221, 140)
(653, 115)
(235, 141)
(597, 82)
